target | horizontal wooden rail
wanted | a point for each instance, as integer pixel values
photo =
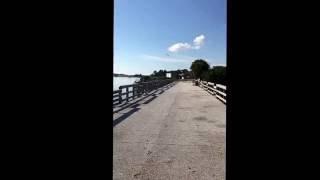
(219, 90)
(131, 91)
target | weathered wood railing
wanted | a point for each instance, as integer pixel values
(129, 92)
(219, 90)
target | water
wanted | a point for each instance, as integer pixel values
(120, 81)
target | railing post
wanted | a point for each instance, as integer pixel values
(143, 88)
(147, 87)
(120, 95)
(127, 93)
(139, 90)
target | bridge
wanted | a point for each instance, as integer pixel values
(174, 130)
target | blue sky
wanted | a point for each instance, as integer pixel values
(168, 34)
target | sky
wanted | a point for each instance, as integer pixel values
(151, 35)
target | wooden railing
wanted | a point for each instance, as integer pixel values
(132, 91)
(219, 90)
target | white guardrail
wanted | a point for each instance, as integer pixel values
(219, 90)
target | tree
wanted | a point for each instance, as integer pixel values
(145, 78)
(199, 67)
(216, 74)
(219, 74)
(154, 73)
(160, 73)
(206, 75)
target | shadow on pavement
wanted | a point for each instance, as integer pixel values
(128, 104)
(124, 116)
(151, 99)
(134, 105)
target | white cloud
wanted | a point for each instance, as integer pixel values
(197, 44)
(179, 47)
(198, 41)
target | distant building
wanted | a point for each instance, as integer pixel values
(174, 74)
(179, 75)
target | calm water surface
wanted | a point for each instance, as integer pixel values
(119, 81)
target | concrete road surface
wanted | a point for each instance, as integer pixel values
(178, 134)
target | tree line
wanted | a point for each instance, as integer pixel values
(202, 70)
(162, 74)
(126, 75)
